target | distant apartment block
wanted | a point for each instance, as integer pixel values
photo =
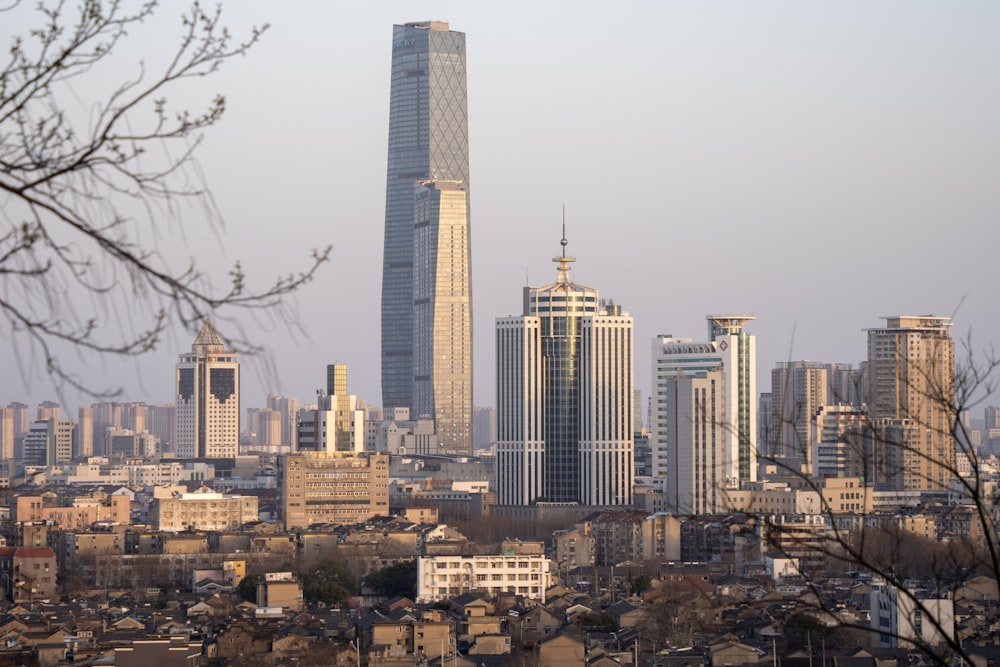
(202, 510)
(911, 378)
(82, 514)
(49, 442)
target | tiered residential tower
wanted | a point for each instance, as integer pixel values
(426, 267)
(564, 398)
(911, 385)
(208, 399)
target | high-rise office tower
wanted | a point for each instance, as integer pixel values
(564, 398)
(6, 433)
(48, 410)
(107, 416)
(289, 409)
(798, 389)
(19, 413)
(841, 443)
(911, 380)
(264, 424)
(729, 349)
(739, 350)
(336, 423)
(163, 425)
(83, 436)
(135, 416)
(697, 456)
(426, 285)
(208, 399)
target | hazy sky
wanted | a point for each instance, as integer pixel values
(816, 164)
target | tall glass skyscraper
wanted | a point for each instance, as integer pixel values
(564, 398)
(426, 267)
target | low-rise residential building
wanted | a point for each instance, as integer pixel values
(83, 513)
(279, 589)
(410, 641)
(28, 573)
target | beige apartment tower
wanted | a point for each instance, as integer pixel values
(911, 377)
(208, 399)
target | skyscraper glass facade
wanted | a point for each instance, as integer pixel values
(564, 398)
(428, 141)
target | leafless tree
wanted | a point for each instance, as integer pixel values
(924, 556)
(91, 183)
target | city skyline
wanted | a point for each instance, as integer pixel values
(802, 149)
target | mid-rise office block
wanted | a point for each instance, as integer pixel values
(202, 510)
(208, 399)
(444, 577)
(564, 398)
(125, 444)
(338, 487)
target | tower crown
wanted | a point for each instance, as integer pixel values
(208, 337)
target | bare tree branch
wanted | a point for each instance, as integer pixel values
(69, 185)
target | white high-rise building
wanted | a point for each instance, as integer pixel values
(564, 398)
(730, 350)
(697, 458)
(208, 399)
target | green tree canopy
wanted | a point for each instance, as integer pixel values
(397, 579)
(330, 583)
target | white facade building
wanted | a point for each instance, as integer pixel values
(730, 351)
(444, 577)
(906, 619)
(698, 474)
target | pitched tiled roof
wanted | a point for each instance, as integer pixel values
(36, 552)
